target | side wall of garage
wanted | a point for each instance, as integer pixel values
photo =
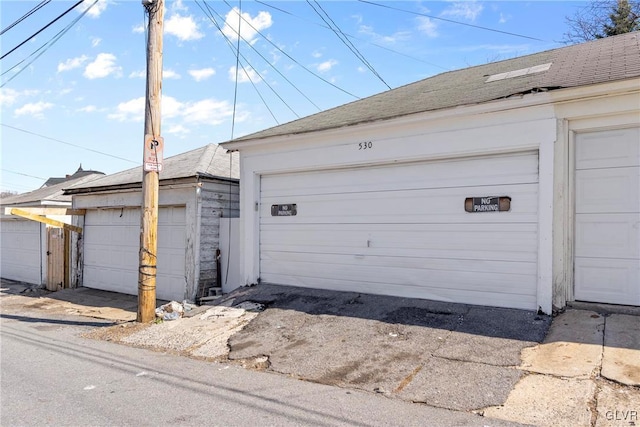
(436, 161)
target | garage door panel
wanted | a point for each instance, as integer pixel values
(418, 206)
(402, 230)
(608, 236)
(610, 280)
(608, 149)
(20, 251)
(516, 169)
(445, 293)
(607, 229)
(608, 190)
(111, 251)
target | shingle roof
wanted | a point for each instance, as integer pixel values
(51, 195)
(599, 61)
(210, 161)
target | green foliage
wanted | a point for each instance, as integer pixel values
(603, 18)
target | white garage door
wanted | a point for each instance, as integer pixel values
(607, 247)
(20, 251)
(111, 245)
(402, 230)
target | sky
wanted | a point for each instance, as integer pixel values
(74, 94)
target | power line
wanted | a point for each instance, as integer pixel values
(355, 37)
(230, 45)
(67, 143)
(25, 16)
(47, 46)
(23, 174)
(235, 88)
(450, 20)
(345, 40)
(42, 29)
(291, 58)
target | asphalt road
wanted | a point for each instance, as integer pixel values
(50, 375)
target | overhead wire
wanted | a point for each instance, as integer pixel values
(67, 143)
(293, 59)
(25, 16)
(354, 37)
(46, 46)
(344, 39)
(235, 89)
(23, 174)
(450, 20)
(42, 29)
(230, 45)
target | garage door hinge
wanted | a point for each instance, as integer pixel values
(256, 208)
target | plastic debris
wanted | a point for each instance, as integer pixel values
(170, 311)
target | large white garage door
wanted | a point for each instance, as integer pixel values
(607, 247)
(402, 230)
(20, 250)
(111, 245)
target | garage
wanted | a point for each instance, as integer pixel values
(21, 250)
(111, 244)
(403, 230)
(607, 215)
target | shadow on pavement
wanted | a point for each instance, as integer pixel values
(53, 321)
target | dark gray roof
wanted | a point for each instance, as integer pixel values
(598, 61)
(210, 161)
(77, 174)
(51, 195)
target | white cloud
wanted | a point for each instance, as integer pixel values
(65, 91)
(170, 74)
(316, 54)
(9, 96)
(34, 109)
(95, 41)
(246, 74)
(249, 26)
(179, 130)
(140, 74)
(97, 8)
(132, 110)
(88, 109)
(177, 5)
(427, 26)
(381, 38)
(202, 74)
(138, 28)
(184, 28)
(72, 63)
(103, 66)
(468, 10)
(207, 111)
(326, 65)
(503, 18)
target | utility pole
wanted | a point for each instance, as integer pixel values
(152, 164)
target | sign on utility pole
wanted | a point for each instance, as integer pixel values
(152, 165)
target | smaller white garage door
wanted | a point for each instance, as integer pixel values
(402, 230)
(111, 245)
(607, 247)
(21, 250)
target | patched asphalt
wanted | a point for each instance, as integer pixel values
(447, 355)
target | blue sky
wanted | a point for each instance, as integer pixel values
(85, 93)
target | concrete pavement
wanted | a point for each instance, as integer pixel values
(472, 359)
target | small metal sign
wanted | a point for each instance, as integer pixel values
(153, 149)
(290, 209)
(487, 204)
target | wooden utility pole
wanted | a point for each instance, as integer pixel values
(152, 164)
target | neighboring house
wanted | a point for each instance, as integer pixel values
(35, 246)
(197, 188)
(509, 184)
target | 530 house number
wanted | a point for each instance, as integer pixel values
(367, 145)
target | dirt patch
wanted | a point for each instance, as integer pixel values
(115, 333)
